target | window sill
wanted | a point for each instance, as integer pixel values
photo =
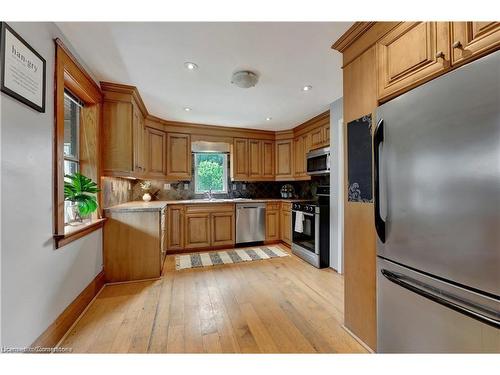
(73, 233)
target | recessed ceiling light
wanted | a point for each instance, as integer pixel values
(187, 109)
(190, 65)
(307, 88)
(269, 118)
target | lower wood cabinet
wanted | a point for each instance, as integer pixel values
(222, 227)
(208, 225)
(134, 245)
(286, 223)
(175, 227)
(197, 228)
(273, 222)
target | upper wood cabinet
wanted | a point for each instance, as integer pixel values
(411, 53)
(300, 150)
(472, 39)
(123, 139)
(284, 159)
(156, 152)
(252, 160)
(178, 156)
(267, 160)
(319, 137)
(240, 159)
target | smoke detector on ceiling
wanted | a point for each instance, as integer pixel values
(244, 79)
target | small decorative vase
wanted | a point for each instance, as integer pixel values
(74, 214)
(146, 197)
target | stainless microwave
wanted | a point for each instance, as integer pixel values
(318, 161)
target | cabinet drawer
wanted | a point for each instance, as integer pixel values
(213, 207)
(271, 206)
(286, 206)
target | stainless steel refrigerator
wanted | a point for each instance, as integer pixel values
(437, 214)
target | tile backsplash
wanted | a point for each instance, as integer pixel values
(118, 190)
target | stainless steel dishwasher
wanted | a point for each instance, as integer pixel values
(250, 222)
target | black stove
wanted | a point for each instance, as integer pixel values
(311, 229)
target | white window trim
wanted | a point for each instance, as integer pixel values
(224, 178)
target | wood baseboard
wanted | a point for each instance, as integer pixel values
(55, 332)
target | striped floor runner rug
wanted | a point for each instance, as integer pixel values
(214, 258)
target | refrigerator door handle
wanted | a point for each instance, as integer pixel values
(453, 302)
(378, 138)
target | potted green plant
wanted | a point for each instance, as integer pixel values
(80, 191)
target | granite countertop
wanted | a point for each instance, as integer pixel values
(159, 205)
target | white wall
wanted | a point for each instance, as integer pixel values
(37, 281)
(336, 186)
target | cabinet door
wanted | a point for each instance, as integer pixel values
(410, 54)
(139, 137)
(299, 164)
(197, 230)
(317, 138)
(156, 151)
(272, 225)
(286, 227)
(472, 39)
(240, 159)
(267, 160)
(254, 159)
(284, 159)
(175, 227)
(117, 132)
(222, 224)
(178, 156)
(326, 135)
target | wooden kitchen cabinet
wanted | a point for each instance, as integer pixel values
(273, 222)
(267, 160)
(123, 139)
(286, 223)
(178, 156)
(470, 40)
(411, 53)
(240, 159)
(284, 159)
(197, 230)
(317, 138)
(175, 227)
(134, 247)
(254, 159)
(209, 225)
(156, 153)
(301, 146)
(223, 228)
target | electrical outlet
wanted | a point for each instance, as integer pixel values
(186, 186)
(234, 187)
(166, 187)
(244, 186)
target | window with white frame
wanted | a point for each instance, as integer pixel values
(210, 172)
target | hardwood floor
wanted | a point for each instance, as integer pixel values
(280, 305)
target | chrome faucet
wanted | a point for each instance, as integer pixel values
(209, 194)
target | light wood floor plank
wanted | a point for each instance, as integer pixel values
(280, 305)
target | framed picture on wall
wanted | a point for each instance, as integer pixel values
(23, 69)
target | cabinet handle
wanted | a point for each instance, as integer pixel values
(440, 54)
(457, 44)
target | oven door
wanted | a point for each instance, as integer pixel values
(309, 238)
(318, 162)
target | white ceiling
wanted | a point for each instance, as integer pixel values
(286, 56)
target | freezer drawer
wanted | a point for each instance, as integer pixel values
(409, 322)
